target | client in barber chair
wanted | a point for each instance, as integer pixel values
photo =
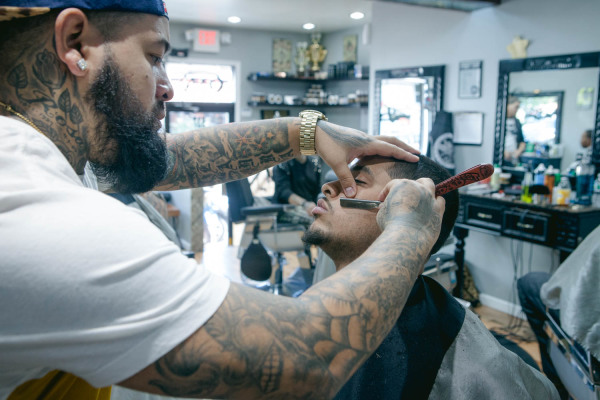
(438, 349)
(571, 297)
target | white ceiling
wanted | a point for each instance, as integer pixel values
(275, 15)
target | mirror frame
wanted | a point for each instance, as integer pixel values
(558, 62)
(437, 72)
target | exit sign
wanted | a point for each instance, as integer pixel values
(206, 41)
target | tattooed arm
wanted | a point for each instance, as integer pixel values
(228, 152)
(261, 346)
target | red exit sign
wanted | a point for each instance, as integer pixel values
(207, 38)
(207, 41)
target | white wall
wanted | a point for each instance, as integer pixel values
(406, 36)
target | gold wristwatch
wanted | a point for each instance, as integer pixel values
(308, 127)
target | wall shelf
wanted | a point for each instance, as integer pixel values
(257, 76)
(353, 105)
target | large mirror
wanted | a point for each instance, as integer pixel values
(406, 102)
(546, 107)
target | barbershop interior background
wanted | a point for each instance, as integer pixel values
(392, 36)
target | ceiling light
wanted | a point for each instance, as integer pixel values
(308, 26)
(357, 15)
(234, 20)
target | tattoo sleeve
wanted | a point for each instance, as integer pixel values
(227, 152)
(262, 346)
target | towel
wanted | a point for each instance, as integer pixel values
(575, 289)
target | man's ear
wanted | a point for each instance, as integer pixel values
(73, 37)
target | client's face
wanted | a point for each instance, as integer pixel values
(345, 233)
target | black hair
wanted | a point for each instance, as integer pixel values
(427, 168)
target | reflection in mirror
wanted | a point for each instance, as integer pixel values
(557, 102)
(406, 102)
(539, 115)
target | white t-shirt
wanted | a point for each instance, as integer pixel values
(87, 285)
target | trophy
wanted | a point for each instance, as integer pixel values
(316, 52)
(301, 57)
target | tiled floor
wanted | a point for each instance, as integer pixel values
(514, 329)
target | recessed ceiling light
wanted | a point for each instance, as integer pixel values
(308, 26)
(357, 15)
(234, 20)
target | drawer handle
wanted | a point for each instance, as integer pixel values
(524, 226)
(484, 216)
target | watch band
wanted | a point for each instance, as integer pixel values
(308, 127)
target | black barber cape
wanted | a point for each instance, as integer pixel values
(406, 363)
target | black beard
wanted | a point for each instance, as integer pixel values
(315, 236)
(141, 159)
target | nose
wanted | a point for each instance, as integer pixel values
(332, 189)
(164, 89)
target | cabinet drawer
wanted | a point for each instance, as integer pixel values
(526, 225)
(484, 216)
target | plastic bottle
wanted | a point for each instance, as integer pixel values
(549, 177)
(596, 194)
(495, 178)
(563, 194)
(525, 185)
(538, 174)
(585, 181)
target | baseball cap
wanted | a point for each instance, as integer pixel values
(10, 9)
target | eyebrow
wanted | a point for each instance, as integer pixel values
(165, 43)
(362, 168)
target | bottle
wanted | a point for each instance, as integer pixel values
(596, 193)
(539, 173)
(585, 181)
(495, 178)
(549, 177)
(525, 185)
(563, 194)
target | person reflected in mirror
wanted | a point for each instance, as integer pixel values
(514, 142)
(586, 139)
(297, 182)
(437, 349)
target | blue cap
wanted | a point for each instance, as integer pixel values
(10, 9)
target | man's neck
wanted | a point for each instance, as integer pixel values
(39, 87)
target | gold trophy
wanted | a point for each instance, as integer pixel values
(301, 57)
(316, 52)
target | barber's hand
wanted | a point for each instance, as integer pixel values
(413, 205)
(338, 146)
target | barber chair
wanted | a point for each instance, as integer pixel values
(262, 229)
(578, 370)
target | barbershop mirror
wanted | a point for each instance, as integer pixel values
(406, 102)
(554, 100)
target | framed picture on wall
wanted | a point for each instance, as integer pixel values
(350, 43)
(469, 79)
(282, 55)
(468, 128)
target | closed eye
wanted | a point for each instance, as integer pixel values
(156, 60)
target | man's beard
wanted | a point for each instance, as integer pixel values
(141, 156)
(315, 236)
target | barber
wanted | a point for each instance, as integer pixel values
(92, 294)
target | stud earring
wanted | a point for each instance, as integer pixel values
(82, 64)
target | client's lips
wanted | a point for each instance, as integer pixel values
(321, 207)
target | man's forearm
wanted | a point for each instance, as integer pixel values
(228, 152)
(262, 346)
